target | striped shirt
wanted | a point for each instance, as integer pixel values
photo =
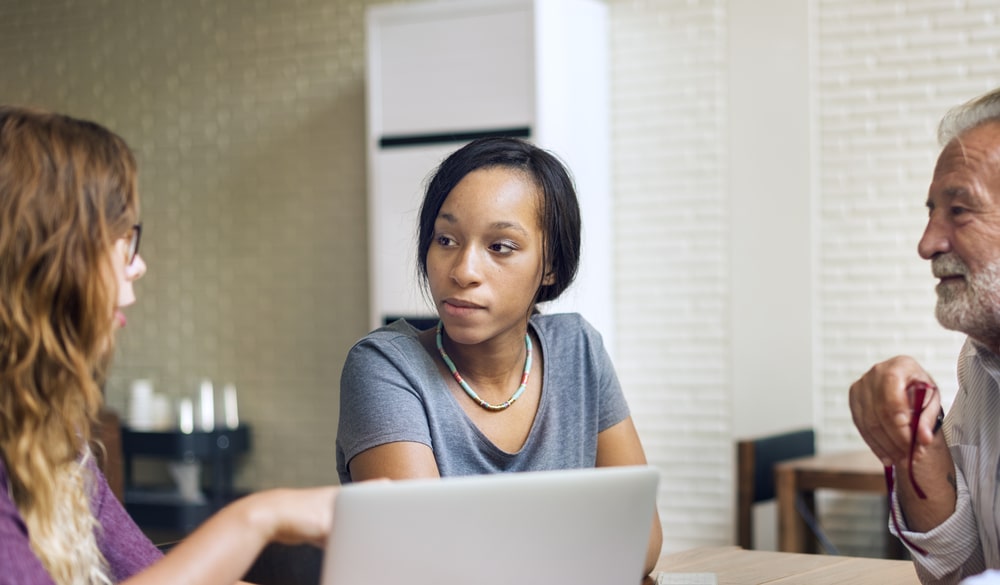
(967, 542)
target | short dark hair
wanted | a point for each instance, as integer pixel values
(559, 209)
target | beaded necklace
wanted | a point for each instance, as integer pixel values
(468, 389)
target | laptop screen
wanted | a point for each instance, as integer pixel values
(582, 526)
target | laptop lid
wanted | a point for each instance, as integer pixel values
(580, 526)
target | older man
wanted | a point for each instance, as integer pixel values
(952, 531)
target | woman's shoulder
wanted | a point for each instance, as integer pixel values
(567, 332)
(563, 324)
(396, 346)
(395, 333)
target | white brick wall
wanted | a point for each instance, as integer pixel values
(669, 137)
(885, 73)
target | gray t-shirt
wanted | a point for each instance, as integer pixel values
(391, 390)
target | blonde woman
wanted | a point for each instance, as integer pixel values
(69, 255)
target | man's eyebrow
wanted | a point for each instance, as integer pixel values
(950, 193)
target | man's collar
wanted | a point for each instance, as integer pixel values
(988, 357)
(984, 350)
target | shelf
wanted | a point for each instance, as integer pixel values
(202, 445)
(162, 507)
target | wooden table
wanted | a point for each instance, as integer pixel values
(856, 471)
(736, 566)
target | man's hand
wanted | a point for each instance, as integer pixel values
(882, 409)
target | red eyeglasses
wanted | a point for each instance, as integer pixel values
(918, 390)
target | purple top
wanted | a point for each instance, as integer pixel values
(126, 548)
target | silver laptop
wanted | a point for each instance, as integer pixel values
(581, 526)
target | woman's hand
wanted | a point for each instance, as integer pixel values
(222, 549)
(294, 516)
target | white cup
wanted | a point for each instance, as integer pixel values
(187, 478)
(141, 410)
(163, 418)
(207, 406)
(185, 416)
(229, 407)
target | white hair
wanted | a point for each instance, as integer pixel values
(967, 116)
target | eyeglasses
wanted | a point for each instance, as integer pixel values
(133, 244)
(917, 390)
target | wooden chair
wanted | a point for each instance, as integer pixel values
(107, 447)
(755, 461)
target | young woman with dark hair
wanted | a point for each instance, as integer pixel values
(497, 386)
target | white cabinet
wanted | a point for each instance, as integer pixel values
(443, 72)
(450, 67)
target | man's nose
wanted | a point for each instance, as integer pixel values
(937, 237)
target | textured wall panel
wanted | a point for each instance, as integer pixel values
(247, 120)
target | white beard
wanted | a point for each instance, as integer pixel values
(971, 305)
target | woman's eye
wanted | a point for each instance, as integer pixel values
(443, 240)
(503, 247)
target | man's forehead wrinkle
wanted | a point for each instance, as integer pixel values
(989, 138)
(993, 154)
(965, 153)
(964, 159)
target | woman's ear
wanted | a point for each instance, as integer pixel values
(549, 279)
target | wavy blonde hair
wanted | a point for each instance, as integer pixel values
(67, 193)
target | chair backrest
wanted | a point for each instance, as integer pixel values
(107, 447)
(755, 460)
